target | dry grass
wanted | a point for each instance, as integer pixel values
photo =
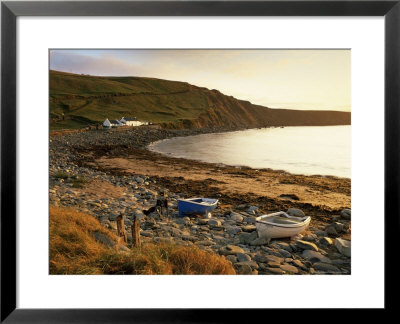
(167, 259)
(74, 250)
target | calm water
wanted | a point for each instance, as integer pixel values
(300, 150)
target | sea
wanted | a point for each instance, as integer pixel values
(308, 150)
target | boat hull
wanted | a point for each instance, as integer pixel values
(196, 206)
(267, 228)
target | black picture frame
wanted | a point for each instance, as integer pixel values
(11, 10)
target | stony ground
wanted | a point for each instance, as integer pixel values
(231, 230)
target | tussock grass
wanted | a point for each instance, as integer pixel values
(74, 250)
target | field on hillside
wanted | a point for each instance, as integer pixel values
(86, 100)
(78, 101)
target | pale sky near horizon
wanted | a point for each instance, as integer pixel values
(295, 79)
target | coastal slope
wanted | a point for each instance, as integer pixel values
(81, 100)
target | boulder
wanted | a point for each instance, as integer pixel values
(242, 257)
(236, 217)
(284, 253)
(261, 241)
(325, 242)
(276, 270)
(231, 249)
(266, 258)
(306, 245)
(331, 230)
(246, 238)
(314, 256)
(289, 268)
(232, 258)
(295, 212)
(251, 264)
(103, 238)
(249, 228)
(214, 222)
(233, 230)
(346, 214)
(243, 269)
(343, 246)
(326, 267)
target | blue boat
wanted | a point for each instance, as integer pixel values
(196, 206)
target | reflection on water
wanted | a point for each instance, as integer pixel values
(301, 150)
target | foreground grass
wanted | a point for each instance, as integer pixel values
(74, 250)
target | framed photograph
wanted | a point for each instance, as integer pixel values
(163, 158)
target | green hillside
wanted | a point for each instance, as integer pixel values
(87, 99)
(81, 100)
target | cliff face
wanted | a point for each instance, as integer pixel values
(228, 111)
(80, 100)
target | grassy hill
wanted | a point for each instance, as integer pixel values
(80, 245)
(86, 100)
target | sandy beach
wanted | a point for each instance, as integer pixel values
(123, 176)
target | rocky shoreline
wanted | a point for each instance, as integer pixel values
(105, 193)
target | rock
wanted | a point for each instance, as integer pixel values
(306, 245)
(189, 238)
(246, 238)
(343, 246)
(139, 180)
(320, 233)
(250, 220)
(230, 249)
(299, 264)
(289, 268)
(183, 220)
(251, 264)
(249, 228)
(310, 238)
(214, 222)
(276, 270)
(233, 230)
(274, 264)
(295, 212)
(284, 246)
(346, 214)
(232, 258)
(326, 267)
(236, 217)
(261, 241)
(331, 230)
(103, 238)
(339, 227)
(147, 233)
(289, 196)
(265, 258)
(284, 253)
(202, 221)
(325, 241)
(252, 210)
(242, 257)
(205, 243)
(313, 256)
(243, 268)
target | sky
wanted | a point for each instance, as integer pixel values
(295, 79)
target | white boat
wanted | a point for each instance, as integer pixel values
(280, 224)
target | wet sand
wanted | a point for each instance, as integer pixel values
(271, 189)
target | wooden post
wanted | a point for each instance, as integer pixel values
(121, 228)
(135, 232)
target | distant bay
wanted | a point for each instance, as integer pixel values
(308, 150)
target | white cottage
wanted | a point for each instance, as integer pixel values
(115, 123)
(131, 121)
(107, 123)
